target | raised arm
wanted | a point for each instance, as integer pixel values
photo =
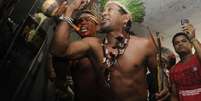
(61, 43)
(190, 31)
(197, 47)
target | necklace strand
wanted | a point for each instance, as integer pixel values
(110, 59)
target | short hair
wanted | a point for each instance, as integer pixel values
(179, 34)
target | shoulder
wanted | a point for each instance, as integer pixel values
(175, 67)
(147, 42)
(144, 43)
(91, 40)
(194, 57)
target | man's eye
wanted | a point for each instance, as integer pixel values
(109, 9)
(184, 40)
(176, 43)
(88, 19)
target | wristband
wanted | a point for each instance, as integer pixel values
(69, 20)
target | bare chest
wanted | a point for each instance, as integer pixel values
(133, 59)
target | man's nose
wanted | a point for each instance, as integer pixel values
(103, 13)
(180, 44)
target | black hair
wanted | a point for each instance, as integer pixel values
(179, 34)
(128, 24)
(122, 11)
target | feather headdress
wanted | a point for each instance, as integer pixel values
(133, 7)
(92, 9)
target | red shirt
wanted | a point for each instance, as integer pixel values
(187, 78)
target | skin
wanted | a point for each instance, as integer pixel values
(183, 47)
(82, 72)
(128, 78)
(88, 26)
(82, 69)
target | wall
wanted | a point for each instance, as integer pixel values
(164, 16)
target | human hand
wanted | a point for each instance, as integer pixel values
(73, 6)
(162, 95)
(189, 30)
(60, 9)
(78, 4)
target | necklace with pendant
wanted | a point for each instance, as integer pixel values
(111, 58)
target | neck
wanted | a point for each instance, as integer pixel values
(111, 36)
(93, 35)
(185, 57)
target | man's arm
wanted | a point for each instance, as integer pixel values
(61, 43)
(173, 93)
(61, 39)
(190, 31)
(76, 49)
(79, 48)
(197, 46)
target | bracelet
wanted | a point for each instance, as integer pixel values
(66, 19)
(69, 21)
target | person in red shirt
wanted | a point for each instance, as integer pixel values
(185, 76)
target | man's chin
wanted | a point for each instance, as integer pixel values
(85, 35)
(182, 52)
(105, 29)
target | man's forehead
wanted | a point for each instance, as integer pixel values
(181, 37)
(89, 15)
(112, 5)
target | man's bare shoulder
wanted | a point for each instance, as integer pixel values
(92, 41)
(143, 42)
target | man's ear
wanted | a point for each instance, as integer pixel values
(126, 18)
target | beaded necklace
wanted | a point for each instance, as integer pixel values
(111, 58)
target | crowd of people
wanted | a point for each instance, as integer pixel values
(120, 66)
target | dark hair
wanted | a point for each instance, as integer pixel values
(128, 24)
(178, 34)
(122, 11)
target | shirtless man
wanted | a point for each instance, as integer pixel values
(124, 57)
(82, 69)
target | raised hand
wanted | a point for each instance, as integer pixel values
(189, 30)
(77, 4)
(60, 9)
(162, 95)
(74, 6)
